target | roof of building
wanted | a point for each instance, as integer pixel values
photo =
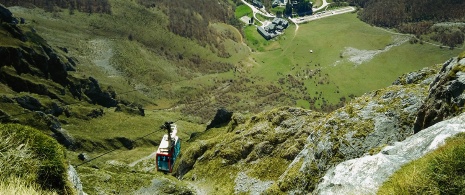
(263, 31)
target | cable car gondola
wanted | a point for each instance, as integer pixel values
(169, 148)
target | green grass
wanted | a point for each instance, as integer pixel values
(243, 10)
(274, 10)
(439, 172)
(34, 158)
(328, 38)
(18, 186)
(254, 39)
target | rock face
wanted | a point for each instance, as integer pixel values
(6, 15)
(446, 95)
(369, 122)
(30, 64)
(222, 117)
(263, 144)
(364, 175)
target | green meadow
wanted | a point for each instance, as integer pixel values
(316, 54)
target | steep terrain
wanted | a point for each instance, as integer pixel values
(101, 84)
(292, 150)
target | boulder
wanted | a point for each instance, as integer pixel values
(83, 157)
(95, 113)
(95, 93)
(29, 103)
(61, 135)
(446, 96)
(130, 109)
(222, 117)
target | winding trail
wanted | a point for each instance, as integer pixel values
(413, 36)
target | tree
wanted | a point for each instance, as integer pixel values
(288, 9)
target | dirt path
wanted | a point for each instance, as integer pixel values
(101, 54)
(413, 36)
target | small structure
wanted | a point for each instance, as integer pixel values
(274, 28)
(257, 3)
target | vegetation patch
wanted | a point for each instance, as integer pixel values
(34, 157)
(439, 172)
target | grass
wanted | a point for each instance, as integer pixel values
(317, 3)
(20, 187)
(289, 55)
(34, 158)
(255, 86)
(243, 10)
(439, 172)
(254, 39)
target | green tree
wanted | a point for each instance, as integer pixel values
(288, 10)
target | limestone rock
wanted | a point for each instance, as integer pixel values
(130, 109)
(73, 177)
(366, 174)
(29, 103)
(368, 122)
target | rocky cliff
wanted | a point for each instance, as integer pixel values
(295, 151)
(38, 81)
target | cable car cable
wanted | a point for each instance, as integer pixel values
(108, 152)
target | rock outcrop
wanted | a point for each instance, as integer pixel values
(222, 117)
(446, 95)
(73, 177)
(363, 126)
(6, 15)
(365, 175)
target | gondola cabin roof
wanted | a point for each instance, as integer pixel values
(163, 148)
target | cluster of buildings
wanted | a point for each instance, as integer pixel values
(273, 29)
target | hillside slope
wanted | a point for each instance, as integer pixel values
(289, 150)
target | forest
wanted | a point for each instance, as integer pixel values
(192, 18)
(417, 17)
(88, 6)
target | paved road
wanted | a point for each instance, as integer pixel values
(325, 3)
(320, 15)
(255, 10)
